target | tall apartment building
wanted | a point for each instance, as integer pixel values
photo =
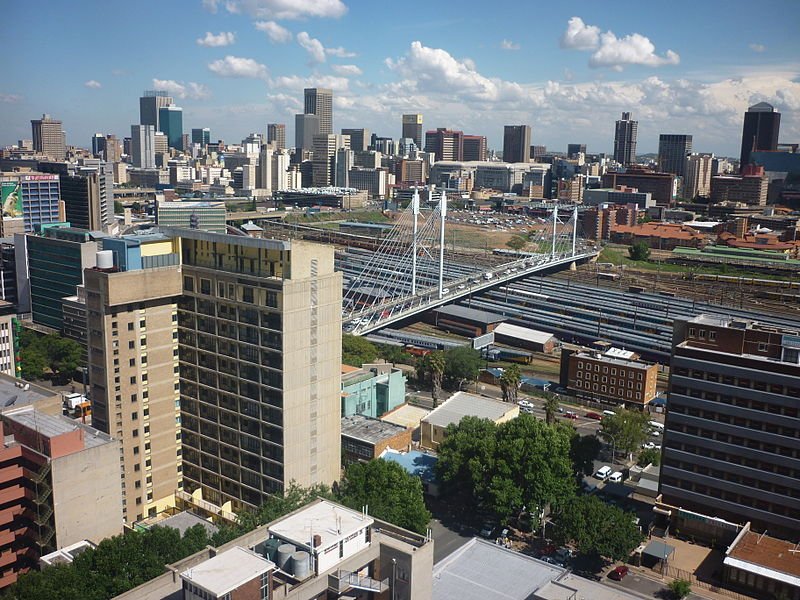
(730, 445)
(260, 355)
(673, 148)
(474, 148)
(132, 333)
(325, 147)
(49, 137)
(359, 139)
(170, 123)
(319, 101)
(87, 195)
(150, 103)
(276, 133)
(759, 131)
(697, 174)
(305, 128)
(750, 187)
(59, 484)
(516, 143)
(112, 150)
(412, 128)
(445, 144)
(201, 136)
(625, 140)
(143, 146)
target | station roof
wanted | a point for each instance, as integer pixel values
(470, 314)
(523, 333)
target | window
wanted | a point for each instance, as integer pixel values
(135, 433)
(133, 379)
(132, 362)
(130, 326)
(141, 322)
(702, 334)
(762, 347)
(580, 365)
(131, 345)
(135, 450)
(134, 416)
(691, 332)
(188, 284)
(133, 398)
(712, 336)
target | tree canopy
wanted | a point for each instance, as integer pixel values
(626, 429)
(52, 353)
(357, 350)
(391, 494)
(596, 528)
(583, 450)
(509, 383)
(680, 588)
(462, 363)
(503, 468)
(639, 251)
(649, 456)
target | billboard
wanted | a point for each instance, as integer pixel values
(11, 198)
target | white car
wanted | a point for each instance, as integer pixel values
(445, 291)
(525, 404)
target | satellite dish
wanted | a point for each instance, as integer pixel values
(11, 401)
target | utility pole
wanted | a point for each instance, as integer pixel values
(555, 223)
(574, 228)
(415, 211)
(443, 217)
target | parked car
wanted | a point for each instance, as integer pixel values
(619, 573)
(487, 530)
(593, 415)
(571, 415)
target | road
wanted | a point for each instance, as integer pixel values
(645, 586)
(447, 540)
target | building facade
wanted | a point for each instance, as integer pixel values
(170, 123)
(86, 196)
(697, 174)
(305, 128)
(33, 196)
(516, 143)
(615, 377)
(48, 137)
(201, 136)
(474, 148)
(260, 351)
(673, 148)
(661, 186)
(209, 216)
(445, 144)
(412, 128)
(750, 187)
(625, 132)
(325, 147)
(730, 444)
(150, 103)
(319, 101)
(276, 134)
(372, 390)
(760, 130)
(143, 146)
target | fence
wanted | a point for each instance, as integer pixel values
(676, 573)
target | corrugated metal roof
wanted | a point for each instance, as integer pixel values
(523, 333)
(462, 404)
(472, 314)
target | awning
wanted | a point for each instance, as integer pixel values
(658, 549)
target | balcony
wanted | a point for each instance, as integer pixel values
(342, 581)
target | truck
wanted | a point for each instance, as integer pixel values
(72, 401)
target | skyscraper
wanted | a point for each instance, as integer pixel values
(98, 144)
(305, 128)
(625, 140)
(143, 148)
(48, 137)
(276, 132)
(673, 148)
(574, 149)
(170, 119)
(474, 147)
(319, 101)
(697, 175)
(445, 144)
(260, 399)
(149, 105)
(412, 128)
(517, 143)
(359, 139)
(201, 136)
(325, 147)
(86, 196)
(760, 131)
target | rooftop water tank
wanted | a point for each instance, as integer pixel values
(271, 548)
(284, 555)
(105, 259)
(301, 565)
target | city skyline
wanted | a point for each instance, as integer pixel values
(234, 67)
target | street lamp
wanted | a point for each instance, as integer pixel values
(613, 446)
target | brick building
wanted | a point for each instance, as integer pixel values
(599, 220)
(365, 438)
(661, 236)
(616, 376)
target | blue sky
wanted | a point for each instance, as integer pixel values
(567, 69)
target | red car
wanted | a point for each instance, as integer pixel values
(570, 415)
(619, 573)
(594, 415)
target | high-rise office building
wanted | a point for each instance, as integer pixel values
(730, 445)
(32, 196)
(319, 101)
(87, 195)
(113, 149)
(305, 128)
(170, 119)
(325, 147)
(48, 137)
(276, 133)
(412, 128)
(260, 396)
(359, 139)
(344, 161)
(697, 175)
(574, 149)
(625, 140)
(446, 144)
(516, 143)
(201, 136)
(760, 131)
(132, 308)
(474, 148)
(673, 148)
(98, 144)
(149, 105)
(143, 146)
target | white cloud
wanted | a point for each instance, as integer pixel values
(580, 36)
(313, 46)
(758, 47)
(235, 66)
(93, 84)
(275, 33)
(509, 45)
(223, 38)
(284, 9)
(297, 83)
(179, 89)
(611, 51)
(346, 70)
(210, 5)
(10, 98)
(340, 52)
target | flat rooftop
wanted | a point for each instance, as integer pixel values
(12, 396)
(181, 521)
(463, 404)
(406, 415)
(367, 429)
(767, 556)
(606, 359)
(54, 425)
(326, 519)
(470, 314)
(227, 571)
(523, 333)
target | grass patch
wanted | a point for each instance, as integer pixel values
(367, 216)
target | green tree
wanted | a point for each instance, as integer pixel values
(583, 450)
(65, 356)
(550, 409)
(118, 207)
(357, 350)
(462, 363)
(391, 494)
(510, 382)
(596, 528)
(680, 588)
(396, 355)
(639, 251)
(649, 456)
(437, 364)
(517, 242)
(625, 430)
